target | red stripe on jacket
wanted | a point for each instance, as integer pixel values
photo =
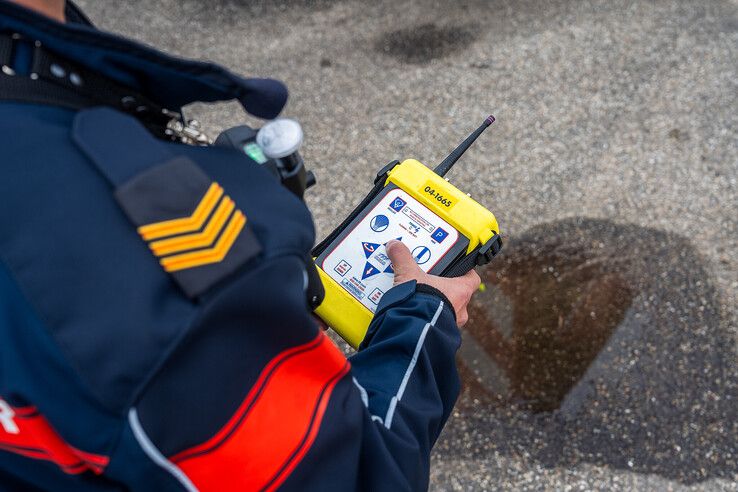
(32, 436)
(274, 426)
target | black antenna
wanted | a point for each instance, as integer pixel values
(449, 161)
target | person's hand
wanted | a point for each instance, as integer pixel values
(458, 290)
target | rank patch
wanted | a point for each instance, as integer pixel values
(191, 241)
(191, 225)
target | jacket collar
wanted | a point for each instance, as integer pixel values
(170, 81)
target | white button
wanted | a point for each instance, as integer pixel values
(75, 79)
(57, 71)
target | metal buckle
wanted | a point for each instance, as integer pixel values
(34, 61)
(6, 69)
(187, 132)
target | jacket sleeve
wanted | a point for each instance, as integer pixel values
(257, 397)
(406, 375)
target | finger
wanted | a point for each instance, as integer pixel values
(462, 317)
(403, 262)
(472, 279)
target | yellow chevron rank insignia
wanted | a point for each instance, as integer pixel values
(191, 225)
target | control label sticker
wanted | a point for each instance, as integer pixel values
(396, 216)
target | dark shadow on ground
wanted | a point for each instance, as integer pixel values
(600, 343)
(423, 43)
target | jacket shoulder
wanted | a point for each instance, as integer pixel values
(109, 303)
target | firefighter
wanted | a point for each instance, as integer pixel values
(154, 329)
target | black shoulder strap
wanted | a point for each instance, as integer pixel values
(55, 81)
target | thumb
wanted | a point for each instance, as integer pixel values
(403, 262)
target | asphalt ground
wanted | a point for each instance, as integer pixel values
(602, 355)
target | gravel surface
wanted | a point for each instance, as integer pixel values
(602, 354)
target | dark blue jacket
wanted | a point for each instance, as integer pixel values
(140, 351)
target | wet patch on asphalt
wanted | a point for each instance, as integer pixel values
(423, 43)
(542, 322)
(599, 343)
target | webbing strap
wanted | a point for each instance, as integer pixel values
(22, 89)
(55, 81)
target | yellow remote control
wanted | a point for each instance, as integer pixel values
(446, 230)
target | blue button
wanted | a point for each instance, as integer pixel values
(397, 204)
(369, 271)
(369, 248)
(379, 223)
(421, 254)
(439, 235)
